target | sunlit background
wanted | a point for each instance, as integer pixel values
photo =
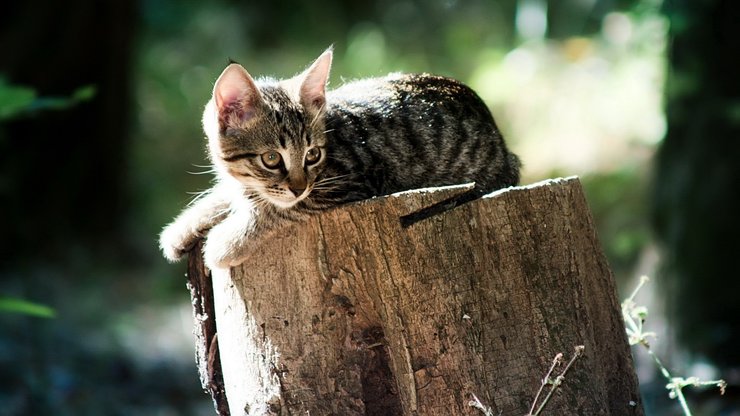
(101, 145)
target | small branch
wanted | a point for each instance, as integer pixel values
(546, 380)
(556, 382)
(559, 379)
(643, 279)
(476, 403)
(634, 318)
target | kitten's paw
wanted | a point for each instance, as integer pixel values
(220, 257)
(177, 240)
(214, 260)
(223, 248)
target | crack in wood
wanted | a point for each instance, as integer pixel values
(441, 207)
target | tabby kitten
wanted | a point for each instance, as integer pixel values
(284, 149)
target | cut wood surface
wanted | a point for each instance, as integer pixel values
(349, 313)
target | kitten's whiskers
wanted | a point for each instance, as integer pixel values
(332, 179)
(197, 196)
(208, 169)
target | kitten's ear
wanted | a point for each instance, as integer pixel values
(313, 84)
(235, 94)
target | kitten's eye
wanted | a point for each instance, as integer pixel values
(313, 155)
(271, 159)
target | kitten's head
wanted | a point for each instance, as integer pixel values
(269, 135)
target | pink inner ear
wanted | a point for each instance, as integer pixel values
(313, 97)
(313, 87)
(236, 94)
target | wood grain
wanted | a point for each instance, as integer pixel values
(350, 313)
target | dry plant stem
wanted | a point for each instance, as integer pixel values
(643, 279)
(476, 403)
(558, 358)
(630, 312)
(676, 389)
(675, 384)
(559, 379)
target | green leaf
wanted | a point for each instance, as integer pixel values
(14, 305)
(14, 99)
(84, 93)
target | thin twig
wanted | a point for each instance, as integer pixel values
(643, 279)
(476, 403)
(555, 361)
(634, 317)
(559, 379)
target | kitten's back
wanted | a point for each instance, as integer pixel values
(407, 131)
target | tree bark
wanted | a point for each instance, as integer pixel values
(351, 313)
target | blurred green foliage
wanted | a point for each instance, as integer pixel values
(16, 100)
(15, 305)
(617, 202)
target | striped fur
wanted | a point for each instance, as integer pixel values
(375, 137)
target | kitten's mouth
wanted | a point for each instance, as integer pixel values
(287, 201)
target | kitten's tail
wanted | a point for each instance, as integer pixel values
(510, 173)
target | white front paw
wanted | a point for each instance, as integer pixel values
(224, 247)
(176, 240)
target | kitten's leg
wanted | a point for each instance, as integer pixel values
(227, 242)
(192, 224)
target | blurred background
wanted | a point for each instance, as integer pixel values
(101, 145)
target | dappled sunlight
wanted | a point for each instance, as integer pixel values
(581, 105)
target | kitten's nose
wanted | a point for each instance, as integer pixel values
(297, 191)
(297, 183)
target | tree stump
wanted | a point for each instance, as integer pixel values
(350, 313)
